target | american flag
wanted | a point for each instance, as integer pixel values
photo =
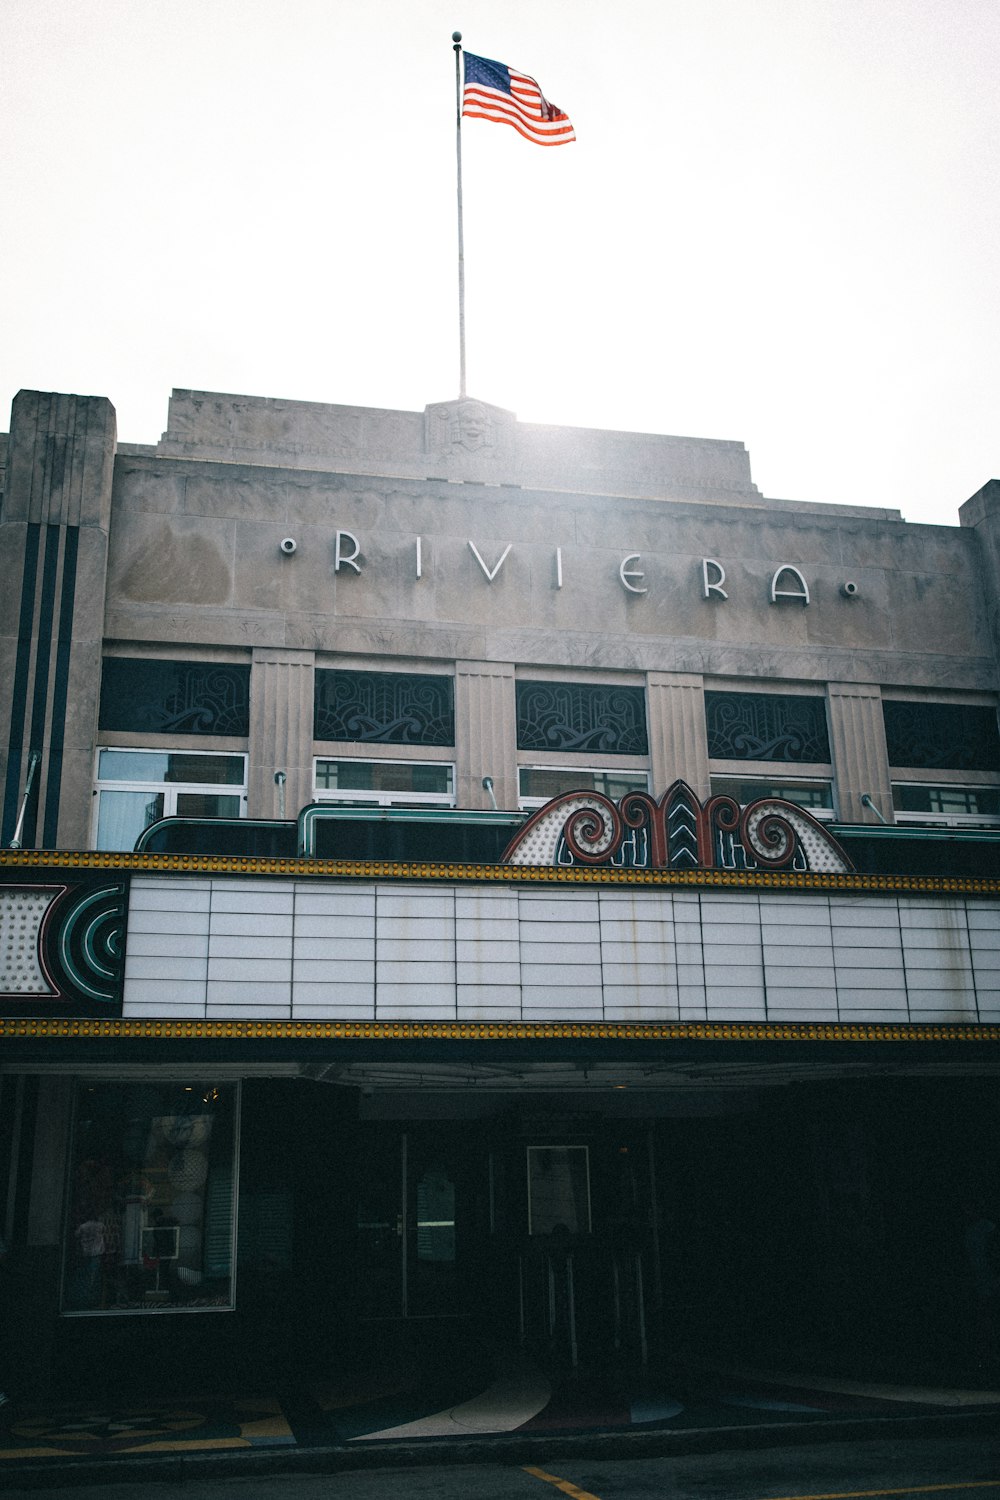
(495, 92)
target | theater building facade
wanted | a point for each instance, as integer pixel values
(457, 872)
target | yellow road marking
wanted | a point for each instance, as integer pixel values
(914, 1489)
(561, 1484)
(576, 1493)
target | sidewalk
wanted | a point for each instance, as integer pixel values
(439, 1410)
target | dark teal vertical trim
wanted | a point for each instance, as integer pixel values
(60, 688)
(43, 652)
(22, 666)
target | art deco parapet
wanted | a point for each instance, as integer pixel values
(60, 460)
(461, 439)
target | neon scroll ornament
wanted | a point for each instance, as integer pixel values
(678, 832)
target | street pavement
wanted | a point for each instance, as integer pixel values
(959, 1466)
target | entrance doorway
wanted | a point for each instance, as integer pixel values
(422, 1210)
(536, 1236)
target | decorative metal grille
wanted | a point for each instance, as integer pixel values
(575, 716)
(174, 697)
(942, 736)
(766, 726)
(387, 708)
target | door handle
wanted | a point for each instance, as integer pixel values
(399, 1226)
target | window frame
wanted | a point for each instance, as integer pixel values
(169, 790)
(827, 814)
(377, 799)
(943, 782)
(195, 1081)
(528, 803)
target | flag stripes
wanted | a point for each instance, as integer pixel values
(497, 93)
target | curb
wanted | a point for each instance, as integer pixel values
(509, 1450)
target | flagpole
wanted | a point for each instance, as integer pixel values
(456, 37)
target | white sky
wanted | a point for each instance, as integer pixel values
(779, 222)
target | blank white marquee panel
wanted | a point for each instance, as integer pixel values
(306, 950)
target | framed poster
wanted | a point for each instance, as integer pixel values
(558, 1189)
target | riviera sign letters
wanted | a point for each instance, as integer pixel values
(787, 582)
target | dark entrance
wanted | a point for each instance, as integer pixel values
(820, 1224)
(534, 1229)
(422, 1212)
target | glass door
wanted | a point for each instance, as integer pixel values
(434, 1172)
(419, 1205)
(381, 1224)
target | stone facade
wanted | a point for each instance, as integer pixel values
(287, 535)
(723, 1054)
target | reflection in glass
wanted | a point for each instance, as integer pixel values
(170, 766)
(426, 778)
(965, 801)
(542, 782)
(124, 815)
(808, 794)
(207, 805)
(136, 787)
(436, 1215)
(151, 1199)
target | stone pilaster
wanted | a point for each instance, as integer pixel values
(485, 733)
(678, 739)
(857, 746)
(281, 730)
(982, 513)
(53, 573)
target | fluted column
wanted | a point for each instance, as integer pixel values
(857, 746)
(281, 729)
(485, 733)
(678, 739)
(53, 574)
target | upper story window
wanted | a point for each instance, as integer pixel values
(932, 748)
(135, 787)
(767, 726)
(925, 802)
(385, 708)
(142, 695)
(385, 783)
(942, 736)
(538, 784)
(815, 796)
(585, 718)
